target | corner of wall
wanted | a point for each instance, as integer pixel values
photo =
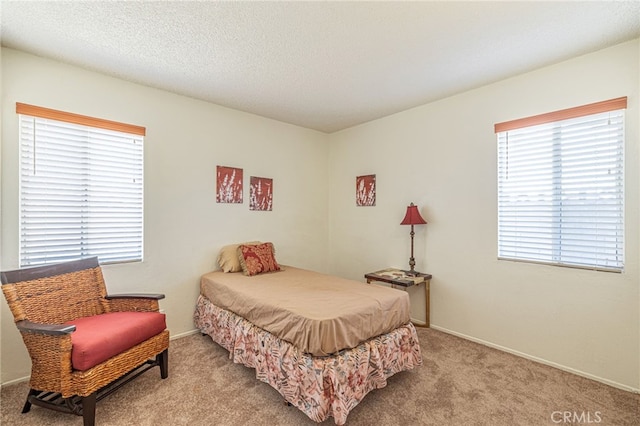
(1, 138)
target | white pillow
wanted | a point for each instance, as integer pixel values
(228, 257)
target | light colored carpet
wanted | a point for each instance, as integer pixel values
(460, 383)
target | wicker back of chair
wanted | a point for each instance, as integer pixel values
(58, 298)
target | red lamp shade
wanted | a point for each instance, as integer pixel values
(413, 216)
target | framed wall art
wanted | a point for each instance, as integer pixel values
(366, 190)
(260, 193)
(228, 185)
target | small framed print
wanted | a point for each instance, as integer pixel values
(260, 193)
(366, 190)
(228, 185)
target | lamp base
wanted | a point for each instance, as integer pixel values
(412, 262)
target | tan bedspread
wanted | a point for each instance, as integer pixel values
(318, 313)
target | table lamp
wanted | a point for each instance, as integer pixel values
(412, 217)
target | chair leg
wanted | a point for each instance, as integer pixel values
(27, 404)
(89, 410)
(163, 360)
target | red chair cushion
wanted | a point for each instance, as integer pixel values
(99, 337)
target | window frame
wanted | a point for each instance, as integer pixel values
(106, 131)
(561, 118)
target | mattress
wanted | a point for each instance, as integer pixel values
(317, 313)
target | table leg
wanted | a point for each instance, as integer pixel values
(427, 323)
(427, 306)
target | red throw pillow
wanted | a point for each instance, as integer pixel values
(257, 259)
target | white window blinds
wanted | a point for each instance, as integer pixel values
(81, 189)
(561, 188)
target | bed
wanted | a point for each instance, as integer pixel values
(323, 342)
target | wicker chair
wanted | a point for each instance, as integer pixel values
(53, 306)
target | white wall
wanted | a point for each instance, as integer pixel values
(442, 157)
(184, 227)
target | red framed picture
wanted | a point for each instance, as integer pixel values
(228, 185)
(366, 190)
(260, 193)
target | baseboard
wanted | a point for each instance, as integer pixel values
(419, 322)
(15, 381)
(540, 360)
(185, 334)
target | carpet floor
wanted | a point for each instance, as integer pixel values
(460, 383)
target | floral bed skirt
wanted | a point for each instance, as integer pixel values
(320, 387)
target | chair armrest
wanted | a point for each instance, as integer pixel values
(50, 329)
(134, 296)
(134, 302)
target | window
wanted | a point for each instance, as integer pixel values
(81, 188)
(561, 187)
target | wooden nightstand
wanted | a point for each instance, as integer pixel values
(404, 279)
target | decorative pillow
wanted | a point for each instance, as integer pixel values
(257, 259)
(228, 257)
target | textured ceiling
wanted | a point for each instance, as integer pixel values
(322, 65)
